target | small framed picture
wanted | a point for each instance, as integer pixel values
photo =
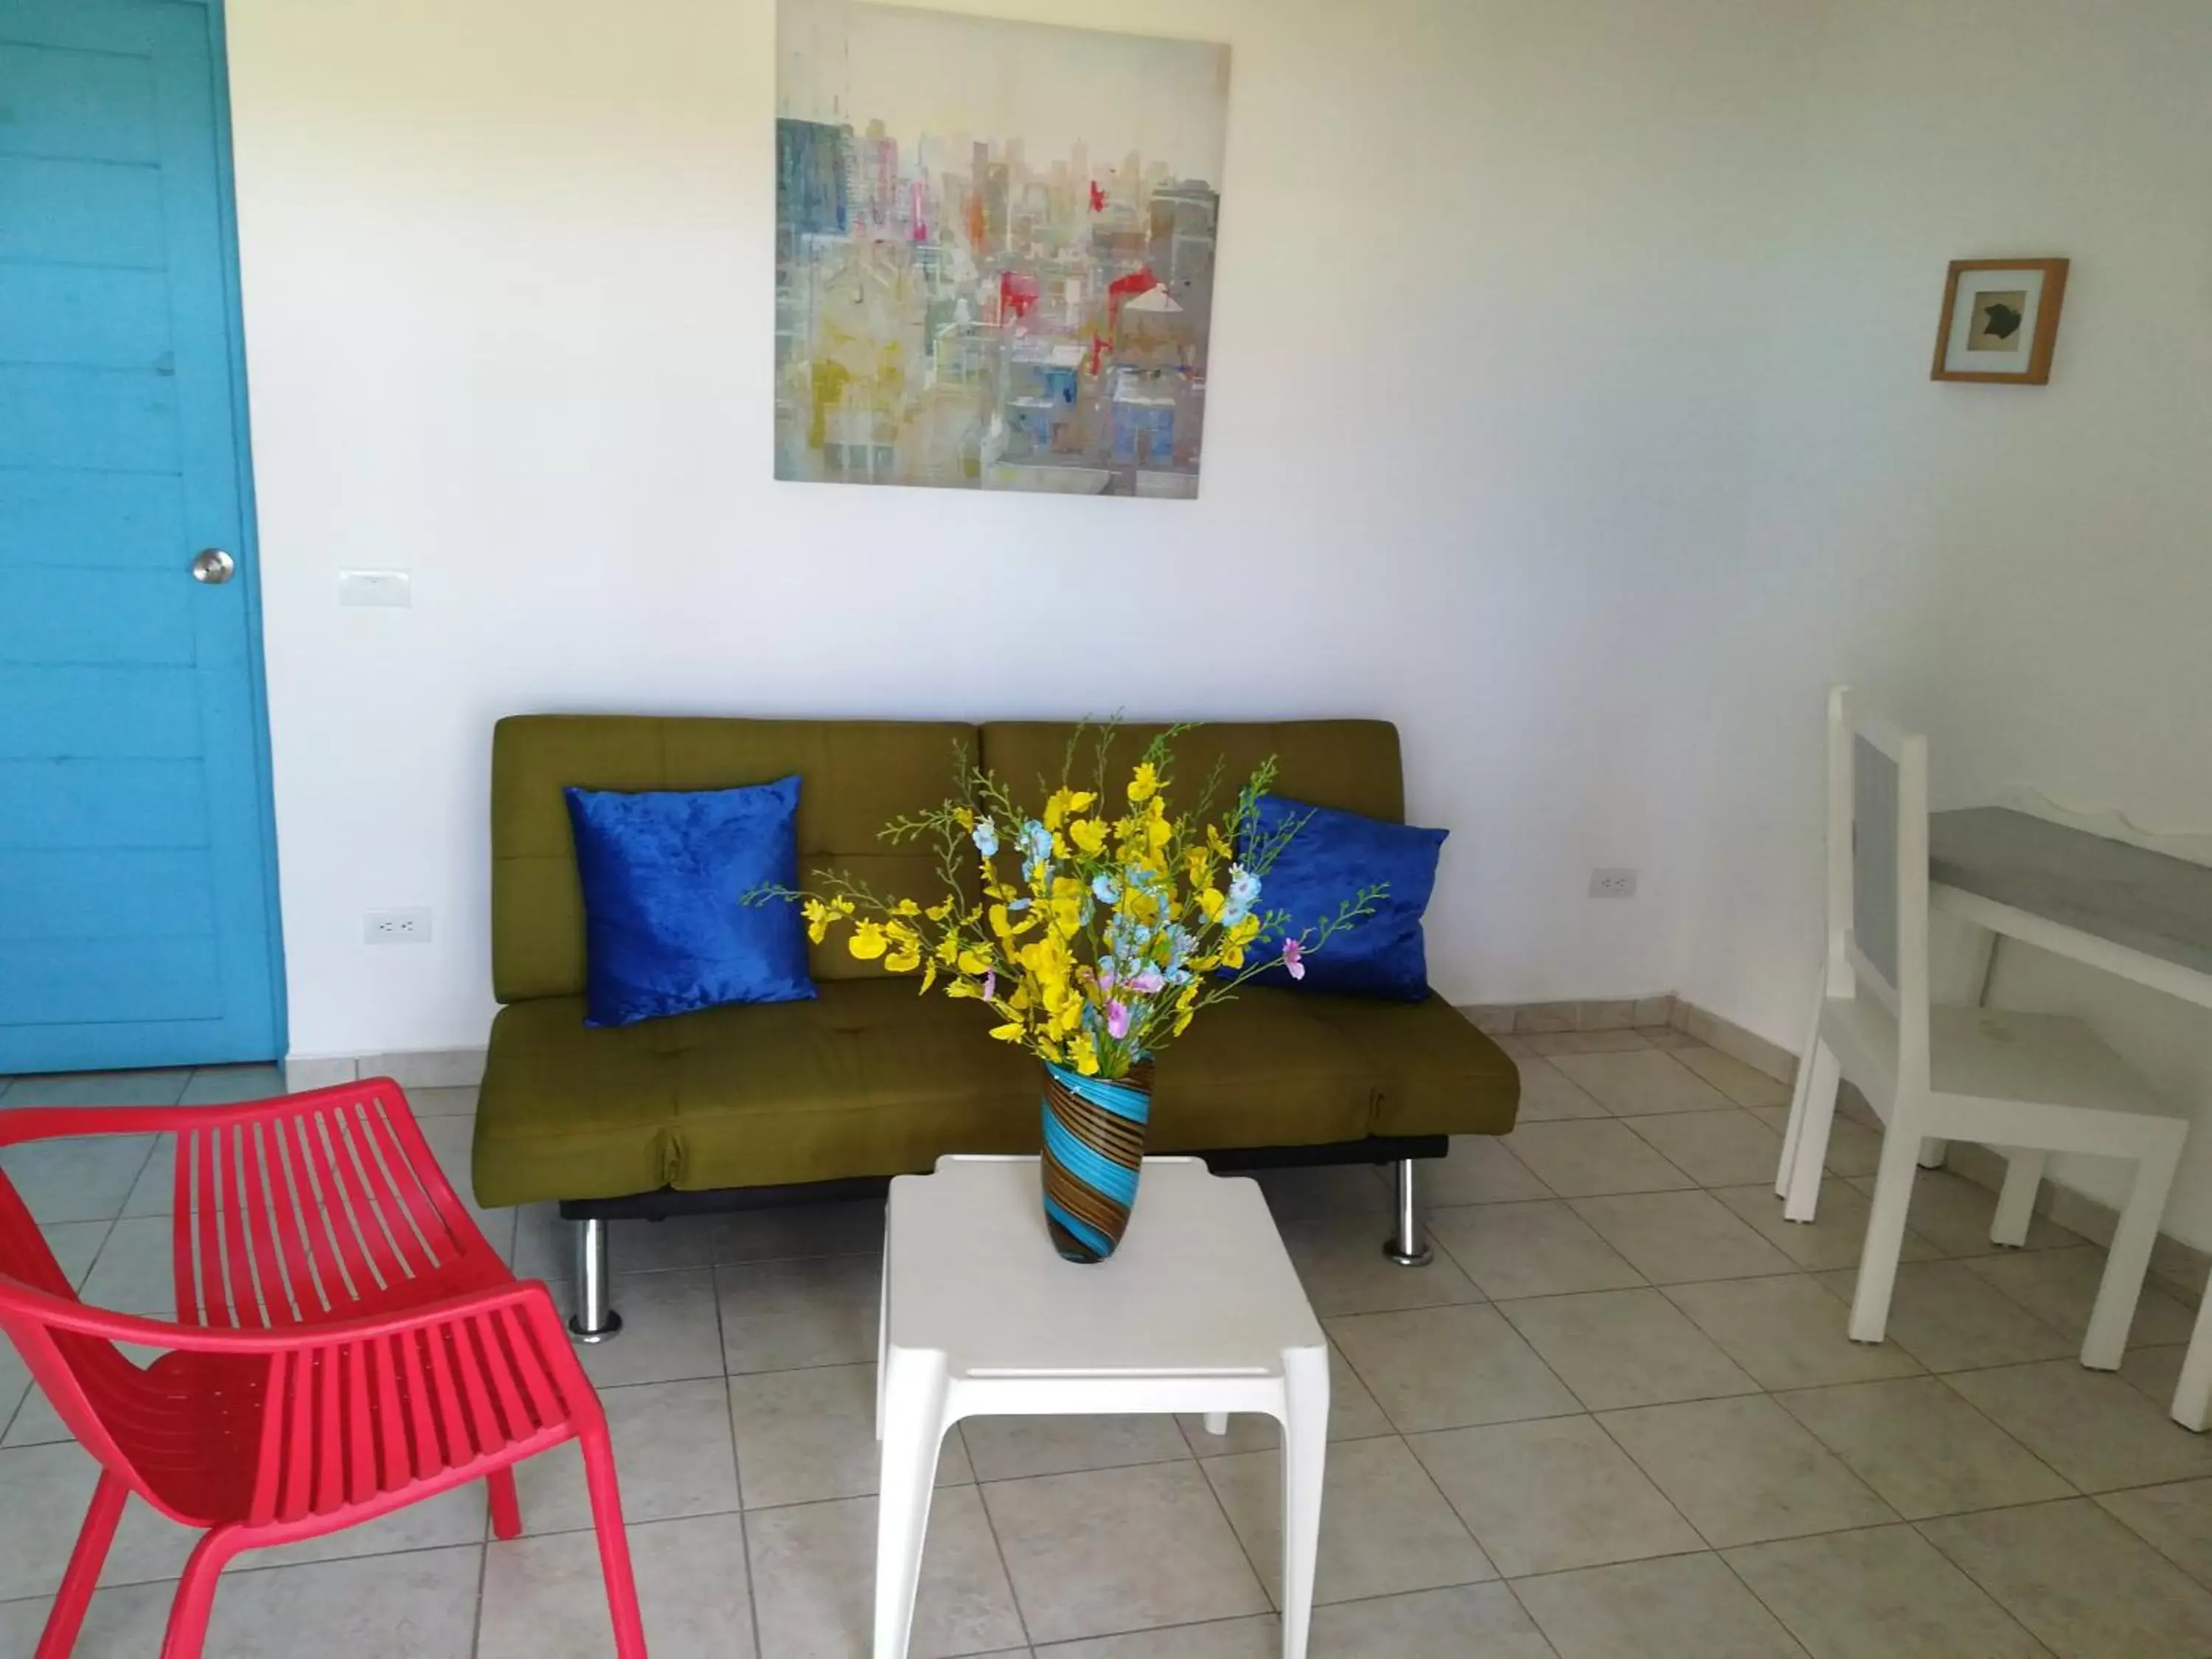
(2000, 320)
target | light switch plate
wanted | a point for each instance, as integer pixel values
(389, 589)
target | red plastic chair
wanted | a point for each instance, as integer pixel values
(346, 1344)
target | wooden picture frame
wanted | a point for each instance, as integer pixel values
(2000, 321)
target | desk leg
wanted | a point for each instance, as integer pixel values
(2192, 1396)
(914, 1425)
(1305, 1453)
(1974, 987)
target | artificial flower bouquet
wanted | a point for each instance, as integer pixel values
(1094, 931)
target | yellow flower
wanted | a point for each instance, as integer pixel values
(1213, 840)
(906, 959)
(948, 949)
(1158, 832)
(962, 989)
(1199, 863)
(1089, 835)
(973, 960)
(1013, 1031)
(1210, 902)
(906, 908)
(929, 978)
(818, 919)
(1144, 783)
(1085, 1053)
(1065, 802)
(939, 912)
(868, 942)
(1067, 906)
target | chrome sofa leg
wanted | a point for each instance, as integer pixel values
(594, 1319)
(1408, 1243)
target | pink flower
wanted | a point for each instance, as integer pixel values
(1117, 1020)
(1148, 983)
(1292, 953)
(990, 985)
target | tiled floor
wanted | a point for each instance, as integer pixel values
(1617, 1417)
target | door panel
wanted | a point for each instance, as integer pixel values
(137, 919)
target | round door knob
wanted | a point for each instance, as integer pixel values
(213, 566)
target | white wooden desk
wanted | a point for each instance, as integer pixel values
(2143, 915)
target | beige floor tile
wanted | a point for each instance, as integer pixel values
(1885, 1592)
(1341, 1262)
(1618, 1040)
(47, 1490)
(1788, 1332)
(1011, 1448)
(1744, 1471)
(2080, 1581)
(223, 1085)
(1834, 1239)
(1352, 1415)
(1547, 1095)
(1385, 1528)
(544, 1598)
(2059, 1287)
(455, 1517)
(806, 1436)
(1672, 1238)
(1854, 1149)
(1715, 1149)
(1334, 1189)
(1446, 1368)
(15, 1385)
(2090, 1425)
(1545, 1496)
(82, 1178)
(2175, 1519)
(76, 1246)
(1949, 1320)
(442, 1103)
(418, 1605)
(136, 1272)
(814, 1574)
(669, 1329)
(1685, 1605)
(1480, 1170)
(1541, 1249)
(1587, 1157)
(1747, 1085)
(1476, 1621)
(1616, 1348)
(1258, 1636)
(1921, 1448)
(154, 1193)
(544, 1245)
(2154, 1372)
(148, 1088)
(793, 1230)
(781, 1315)
(1114, 1550)
(1639, 1084)
(1954, 1213)
(671, 1449)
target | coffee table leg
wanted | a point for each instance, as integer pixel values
(1305, 1452)
(913, 1425)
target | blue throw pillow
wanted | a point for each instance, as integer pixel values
(1327, 862)
(662, 872)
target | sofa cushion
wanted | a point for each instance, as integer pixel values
(870, 1079)
(1433, 1072)
(855, 774)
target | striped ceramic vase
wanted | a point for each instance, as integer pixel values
(1094, 1147)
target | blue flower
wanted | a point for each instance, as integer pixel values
(1243, 894)
(986, 837)
(1036, 843)
(1107, 890)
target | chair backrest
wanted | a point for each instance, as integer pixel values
(302, 1210)
(1878, 871)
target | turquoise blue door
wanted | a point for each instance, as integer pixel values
(137, 920)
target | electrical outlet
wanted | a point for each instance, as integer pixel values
(1613, 884)
(396, 927)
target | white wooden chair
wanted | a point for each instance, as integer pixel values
(2030, 1084)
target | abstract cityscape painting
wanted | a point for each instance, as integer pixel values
(994, 251)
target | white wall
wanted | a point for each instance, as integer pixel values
(1484, 398)
(2021, 573)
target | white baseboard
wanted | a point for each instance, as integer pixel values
(426, 1068)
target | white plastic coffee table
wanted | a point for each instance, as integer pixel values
(1200, 1311)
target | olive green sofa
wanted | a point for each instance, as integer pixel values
(769, 1103)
